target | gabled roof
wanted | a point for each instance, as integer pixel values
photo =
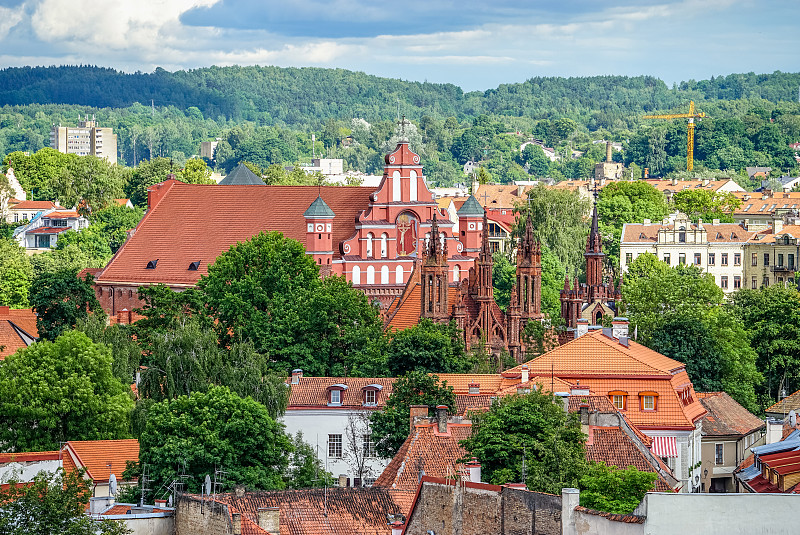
(611, 445)
(101, 458)
(34, 205)
(17, 330)
(312, 392)
(194, 222)
(789, 403)
(241, 176)
(726, 417)
(470, 208)
(319, 209)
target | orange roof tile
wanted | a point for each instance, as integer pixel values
(28, 457)
(726, 417)
(722, 233)
(101, 457)
(666, 185)
(789, 403)
(313, 392)
(34, 205)
(63, 215)
(124, 509)
(614, 447)
(16, 326)
(501, 195)
(194, 222)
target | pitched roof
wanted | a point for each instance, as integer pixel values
(502, 195)
(614, 447)
(712, 185)
(769, 236)
(69, 214)
(17, 329)
(333, 511)
(101, 458)
(319, 208)
(241, 176)
(313, 391)
(34, 205)
(755, 205)
(471, 208)
(194, 223)
(789, 403)
(726, 417)
(722, 233)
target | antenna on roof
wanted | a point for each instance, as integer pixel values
(144, 481)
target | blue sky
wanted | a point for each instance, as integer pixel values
(474, 44)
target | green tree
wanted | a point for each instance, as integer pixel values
(147, 174)
(613, 490)
(124, 350)
(656, 158)
(214, 430)
(428, 347)
(390, 426)
(165, 311)
(504, 276)
(537, 160)
(52, 504)
(558, 217)
(113, 223)
(89, 241)
(196, 171)
(15, 275)
(305, 468)
(707, 205)
(90, 183)
(74, 254)
(534, 427)
(52, 392)
(60, 299)
(39, 172)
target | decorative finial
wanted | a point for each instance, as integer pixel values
(403, 122)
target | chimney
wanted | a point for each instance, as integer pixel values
(397, 527)
(269, 519)
(774, 431)
(675, 181)
(646, 221)
(297, 374)
(699, 224)
(706, 182)
(441, 418)
(475, 186)
(619, 327)
(520, 190)
(474, 388)
(474, 469)
(236, 520)
(578, 390)
(342, 480)
(417, 411)
(647, 172)
(160, 503)
(745, 197)
(582, 327)
(100, 504)
(715, 222)
(5, 311)
(238, 490)
(608, 152)
(584, 413)
(525, 375)
(777, 224)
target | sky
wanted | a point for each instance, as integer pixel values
(476, 44)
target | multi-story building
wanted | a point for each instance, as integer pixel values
(717, 248)
(85, 139)
(773, 256)
(44, 229)
(757, 211)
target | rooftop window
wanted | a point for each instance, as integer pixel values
(152, 264)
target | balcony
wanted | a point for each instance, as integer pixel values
(790, 268)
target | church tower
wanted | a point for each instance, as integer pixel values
(319, 222)
(594, 255)
(434, 276)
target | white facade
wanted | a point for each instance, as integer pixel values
(42, 232)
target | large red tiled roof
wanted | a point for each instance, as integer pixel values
(313, 392)
(101, 457)
(722, 233)
(194, 223)
(726, 417)
(29, 457)
(789, 403)
(332, 511)
(614, 447)
(34, 205)
(14, 323)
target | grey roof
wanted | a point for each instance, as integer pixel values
(241, 176)
(753, 170)
(789, 444)
(319, 209)
(471, 207)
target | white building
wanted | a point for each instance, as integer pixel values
(332, 413)
(43, 230)
(85, 139)
(716, 248)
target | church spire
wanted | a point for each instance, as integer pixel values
(594, 250)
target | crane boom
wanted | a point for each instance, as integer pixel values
(691, 116)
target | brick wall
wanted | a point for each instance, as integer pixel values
(113, 299)
(194, 518)
(480, 509)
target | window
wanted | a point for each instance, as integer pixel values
(766, 259)
(681, 258)
(780, 260)
(697, 259)
(724, 259)
(335, 446)
(754, 260)
(754, 283)
(737, 259)
(723, 282)
(384, 245)
(336, 397)
(718, 453)
(666, 258)
(369, 446)
(369, 244)
(682, 237)
(370, 397)
(58, 222)
(628, 258)
(648, 403)
(765, 282)
(790, 259)
(712, 259)
(737, 282)
(619, 402)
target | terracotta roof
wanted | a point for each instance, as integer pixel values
(405, 310)
(15, 325)
(758, 204)
(34, 205)
(625, 519)
(614, 447)
(489, 383)
(29, 457)
(726, 417)
(789, 403)
(122, 202)
(501, 196)
(722, 233)
(768, 236)
(49, 230)
(335, 511)
(101, 457)
(664, 185)
(62, 215)
(124, 508)
(473, 402)
(783, 463)
(194, 223)
(313, 392)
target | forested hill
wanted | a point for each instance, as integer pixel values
(298, 96)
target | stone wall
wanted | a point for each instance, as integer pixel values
(192, 517)
(458, 508)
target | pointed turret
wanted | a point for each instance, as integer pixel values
(594, 252)
(319, 225)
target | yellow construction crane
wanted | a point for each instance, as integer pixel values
(690, 142)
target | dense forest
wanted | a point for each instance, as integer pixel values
(266, 115)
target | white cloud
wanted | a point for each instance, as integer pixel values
(10, 17)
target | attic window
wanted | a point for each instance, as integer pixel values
(152, 264)
(642, 236)
(733, 235)
(748, 207)
(371, 393)
(719, 235)
(335, 394)
(194, 265)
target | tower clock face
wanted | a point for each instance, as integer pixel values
(472, 226)
(320, 227)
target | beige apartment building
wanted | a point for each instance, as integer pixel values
(85, 139)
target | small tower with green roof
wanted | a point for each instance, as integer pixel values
(470, 225)
(319, 228)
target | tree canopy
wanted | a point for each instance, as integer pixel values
(15, 274)
(613, 490)
(60, 299)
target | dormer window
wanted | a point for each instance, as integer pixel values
(648, 401)
(194, 265)
(152, 264)
(619, 399)
(335, 394)
(336, 397)
(370, 394)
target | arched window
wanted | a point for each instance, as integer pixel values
(369, 244)
(398, 275)
(356, 275)
(427, 239)
(413, 185)
(370, 274)
(396, 186)
(384, 245)
(430, 293)
(456, 273)
(385, 275)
